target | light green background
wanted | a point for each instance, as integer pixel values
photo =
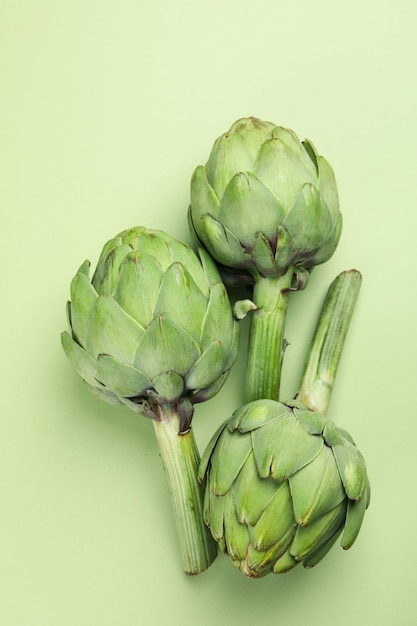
(107, 107)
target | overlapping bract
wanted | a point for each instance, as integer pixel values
(265, 201)
(283, 483)
(154, 326)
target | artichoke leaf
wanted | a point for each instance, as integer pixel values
(251, 502)
(103, 394)
(248, 206)
(204, 394)
(106, 274)
(309, 220)
(211, 273)
(262, 561)
(286, 249)
(308, 538)
(354, 519)
(83, 297)
(317, 555)
(275, 521)
(140, 407)
(68, 312)
(203, 197)
(327, 186)
(121, 378)
(331, 434)
(311, 151)
(283, 447)
(368, 492)
(138, 286)
(346, 435)
(165, 347)
(256, 414)
(352, 469)
(279, 167)
(305, 155)
(328, 248)
(285, 563)
(112, 331)
(221, 243)
(312, 421)
(168, 386)
(206, 457)
(253, 132)
(85, 268)
(316, 488)
(207, 368)
(229, 156)
(232, 353)
(183, 254)
(181, 299)
(227, 459)
(218, 322)
(236, 534)
(81, 361)
(263, 256)
(109, 246)
(156, 244)
(214, 514)
(300, 278)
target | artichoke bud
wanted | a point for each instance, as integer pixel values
(153, 327)
(282, 484)
(264, 201)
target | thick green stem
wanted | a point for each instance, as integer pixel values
(266, 339)
(328, 340)
(181, 459)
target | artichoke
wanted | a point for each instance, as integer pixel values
(266, 207)
(283, 482)
(153, 327)
(265, 202)
(153, 330)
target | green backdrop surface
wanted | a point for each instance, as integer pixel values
(107, 108)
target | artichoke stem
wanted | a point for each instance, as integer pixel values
(180, 458)
(328, 340)
(266, 338)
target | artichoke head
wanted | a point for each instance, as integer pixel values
(265, 201)
(153, 327)
(283, 482)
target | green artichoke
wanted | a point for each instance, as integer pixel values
(153, 330)
(154, 326)
(264, 202)
(266, 208)
(283, 482)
